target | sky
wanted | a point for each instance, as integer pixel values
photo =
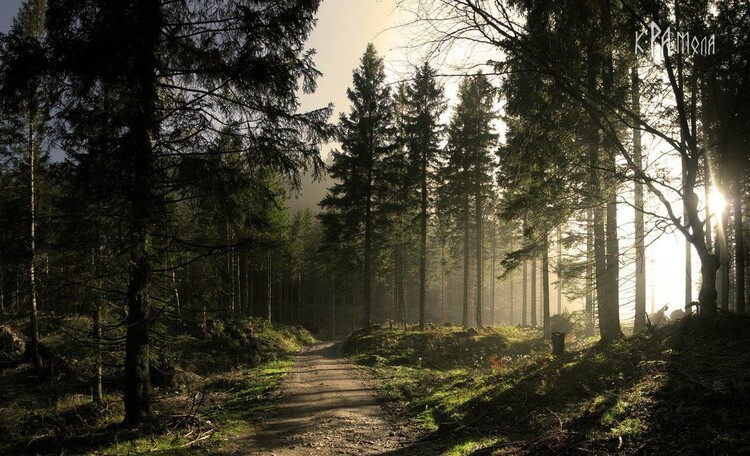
(342, 33)
(343, 30)
(8, 10)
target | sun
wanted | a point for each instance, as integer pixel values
(717, 201)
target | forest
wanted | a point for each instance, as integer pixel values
(532, 237)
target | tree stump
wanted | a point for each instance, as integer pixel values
(558, 343)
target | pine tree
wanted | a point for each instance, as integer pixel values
(170, 80)
(466, 174)
(23, 74)
(366, 135)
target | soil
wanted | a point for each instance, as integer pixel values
(327, 407)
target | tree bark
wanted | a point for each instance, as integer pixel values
(492, 275)
(466, 262)
(612, 278)
(524, 310)
(533, 292)
(640, 246)
(559, 271)
(739, 247)
(36, 359)
(367, 304)
(510, 286)
(423, 241)
(589, 280)
(479, 258)
(545, 289)
(269, 289)
(146, 21)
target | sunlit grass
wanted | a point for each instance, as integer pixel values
(605, 398)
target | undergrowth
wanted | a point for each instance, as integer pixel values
(212, 385)
(681, 389)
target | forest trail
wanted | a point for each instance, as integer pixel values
(327, 407)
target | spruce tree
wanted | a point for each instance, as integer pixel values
(466, 174)
(425, 106)
(163, 76)
(366, 135)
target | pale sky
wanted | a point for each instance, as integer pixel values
(342, 33)
(8, 10)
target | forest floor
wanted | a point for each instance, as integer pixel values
(209, 387)
(680, 389)
(327, 406)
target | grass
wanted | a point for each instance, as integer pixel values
(223, 383)
(682, 389)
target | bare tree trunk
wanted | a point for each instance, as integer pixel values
(524, 310)
(333, 308)
(367, 310)
(559, 271)
(242, 271)
(722, 245)
(590, 285)
(175, 291)
(96, 333)
(270, 290)
(400, 294)
(146, 19)
(640, 246)
(545, 288)
(97, 336)
(423, 242)
(533, 292)
(492, 275)
(36, 359)
(510, 286)
(479, 257)
(466, 262)
(739, 247)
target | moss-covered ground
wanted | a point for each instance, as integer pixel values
(681, 389)
(221, 383)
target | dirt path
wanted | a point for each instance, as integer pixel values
(327, 408)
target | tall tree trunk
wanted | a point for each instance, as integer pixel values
(242, 271)
(466, 262)
(479, 257)
(533, 292)
(147, 22)
(739, 247)
(443, 285)
(96, 333)
(400, 294)
(589, 280)
(524, 310)
(175, 291)
(269, 289)
(423, 242)
(722, 246)
(492, 275)
(97, 394)
(333, 308)
(688, 253)
(367, 304)
(545, 288)
(510, 286)
(36, 359)
(640, 236)
(559, 271)
(612, 303)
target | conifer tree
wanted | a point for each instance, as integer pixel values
(22, 96)
(366, 135)
(425, 105)
(466, 174)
